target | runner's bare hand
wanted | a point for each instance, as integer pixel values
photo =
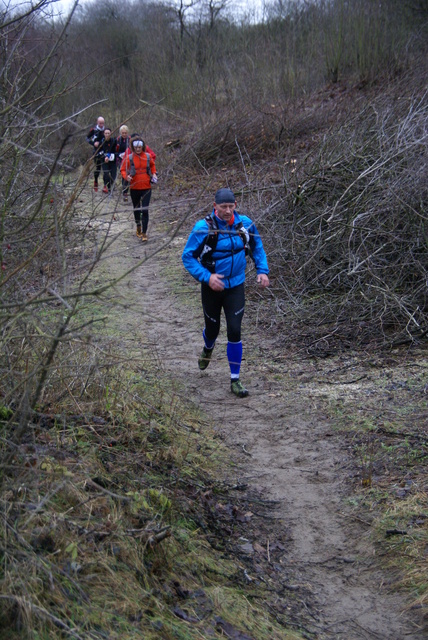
(216, 282)
(263, 280)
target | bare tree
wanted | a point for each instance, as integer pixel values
(42, 285)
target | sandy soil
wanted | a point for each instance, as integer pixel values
(280, 437)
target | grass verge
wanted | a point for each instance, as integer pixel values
(384, 421)
(114, 524)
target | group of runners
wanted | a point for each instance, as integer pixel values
(136, 162)
(216, 250)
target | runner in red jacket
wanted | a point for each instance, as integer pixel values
(138, 168)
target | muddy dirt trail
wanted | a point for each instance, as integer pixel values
(280, 439)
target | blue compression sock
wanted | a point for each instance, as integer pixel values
(208, 343)
(234, 356)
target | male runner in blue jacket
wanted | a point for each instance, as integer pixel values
(215, 255)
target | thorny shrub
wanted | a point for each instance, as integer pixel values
(339, 194)
(349, 238)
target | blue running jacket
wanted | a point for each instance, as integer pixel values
(229, 253)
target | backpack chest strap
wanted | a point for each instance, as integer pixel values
(208, 245)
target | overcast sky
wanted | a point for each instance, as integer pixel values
(257, 5)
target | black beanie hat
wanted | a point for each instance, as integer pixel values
(224, 195)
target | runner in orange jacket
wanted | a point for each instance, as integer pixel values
(138, 168)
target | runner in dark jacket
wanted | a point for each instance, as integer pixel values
(123, 144)
(108, 149)
(95, 138)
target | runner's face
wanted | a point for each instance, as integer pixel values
(100, 122)
(138, 148)
(224, 211)
(107, 134)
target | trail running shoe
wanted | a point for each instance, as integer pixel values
(144, 237)
(105, 189)
(238, 388)
(204, 358)
(139, 232)
(95, 185)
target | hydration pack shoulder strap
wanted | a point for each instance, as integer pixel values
(208, 245)
(133, 171)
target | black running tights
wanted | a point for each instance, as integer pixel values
(232, 301)
(140, 201)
